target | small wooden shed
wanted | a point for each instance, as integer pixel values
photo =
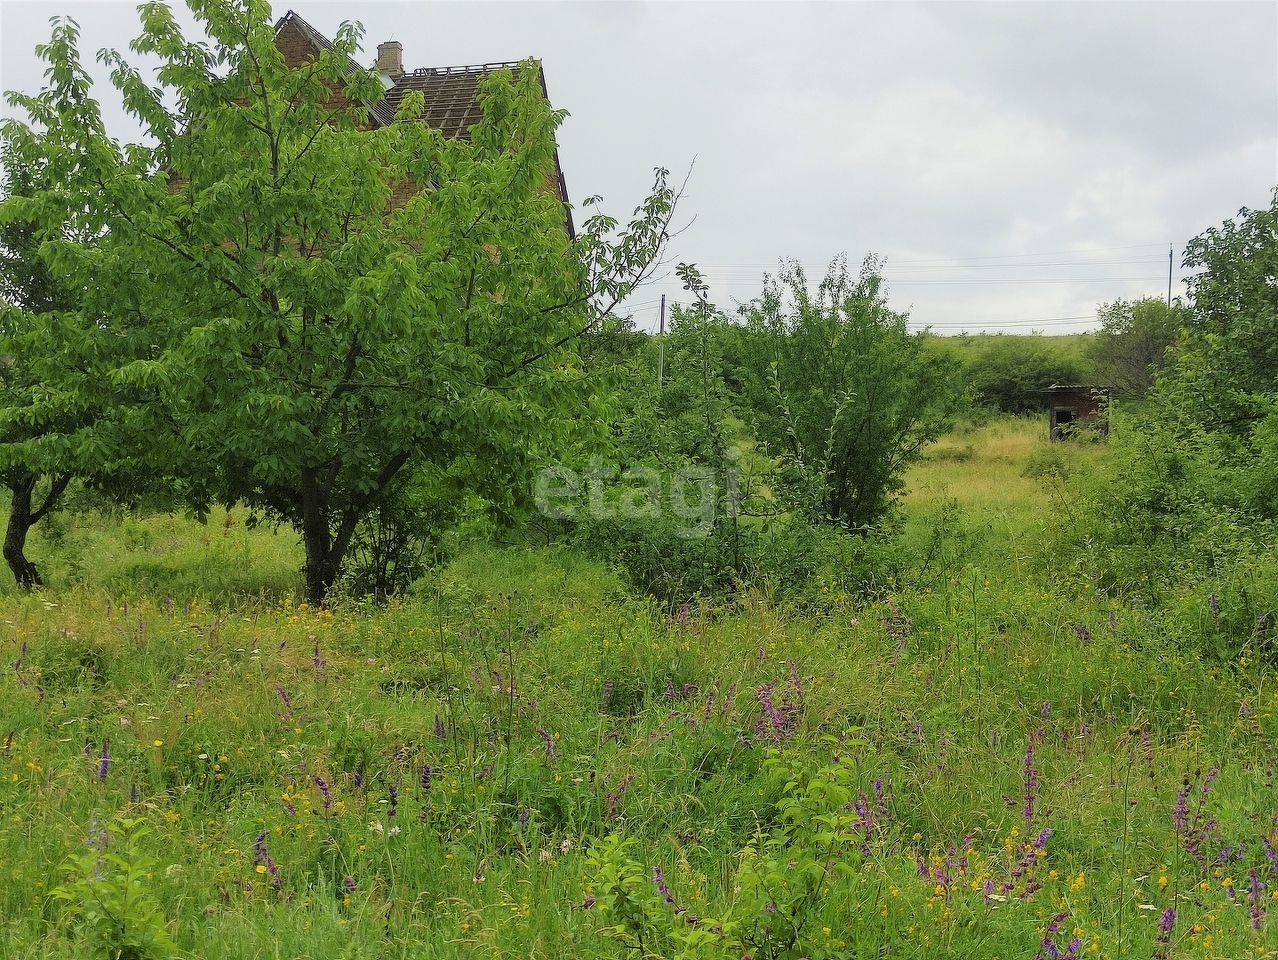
(1075, 406)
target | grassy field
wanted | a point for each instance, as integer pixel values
(989, 760)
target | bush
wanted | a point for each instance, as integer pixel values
(1011, 372)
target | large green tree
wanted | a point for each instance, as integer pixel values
(844, 390)
(1131, 346)
(30, 297)
(312, 335)
(1225, 373)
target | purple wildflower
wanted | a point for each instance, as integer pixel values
(606, 698)
(1029, 772)
(17, 664)
(1084, 635)
(670, 693)
(663, 888)
(1255, 898)
(1196, 828)
(319, 662)
(549, 739)
(1214, 604)
(288, 704)
(359, 780)
(1270, 853)
(613, 797)
(261, 858)
(349, 883)
(425, 778)
(104, 762)
(393, 807)
(1162, 942)
(524, 814)
(326, 791)
(439, 729)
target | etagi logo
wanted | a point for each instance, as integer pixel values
(601, 491)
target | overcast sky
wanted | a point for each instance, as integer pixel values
(1015, 163)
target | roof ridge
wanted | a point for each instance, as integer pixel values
(463, 69)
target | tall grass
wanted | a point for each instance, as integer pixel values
(551, 707)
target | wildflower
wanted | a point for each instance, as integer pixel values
(393, 791)
(376, 827)
(670, 693)
(523, 818)
(439, 729)
(262, 860)
(1162, 942)
(1255, 897)
(326, 792)
(349, 883)
(104, 763)
(544, 856)
(1214, 604)
(1084, 635)
(606, 698)
(549, 741)
(133, 793)
(393, 831)
(613, 797)
(587, 903)
(359, 780)
(425, 778)
(1029, 772)
(17, 664)
(319, 662)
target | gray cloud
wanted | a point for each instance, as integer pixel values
(923, 132)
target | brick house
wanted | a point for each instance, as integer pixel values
(1076, 406)
(451, 93)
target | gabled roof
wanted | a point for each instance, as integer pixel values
(379, 112)
(451, 95)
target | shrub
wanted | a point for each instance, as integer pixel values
(1010, 373)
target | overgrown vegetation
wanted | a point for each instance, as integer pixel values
(812, 657)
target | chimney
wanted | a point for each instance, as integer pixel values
(390, 58)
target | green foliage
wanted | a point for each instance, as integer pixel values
(1132, 344)
(1009, 373)
(403, 534)
(1225, 375)
(305, 346)
(785, 874)
(844, 392)
(569, 709)
(107, 899)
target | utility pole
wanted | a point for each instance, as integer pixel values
(1170, 250)
(661, 344)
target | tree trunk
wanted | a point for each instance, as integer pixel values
(321, 566)
(21, 519)
(325, 550)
